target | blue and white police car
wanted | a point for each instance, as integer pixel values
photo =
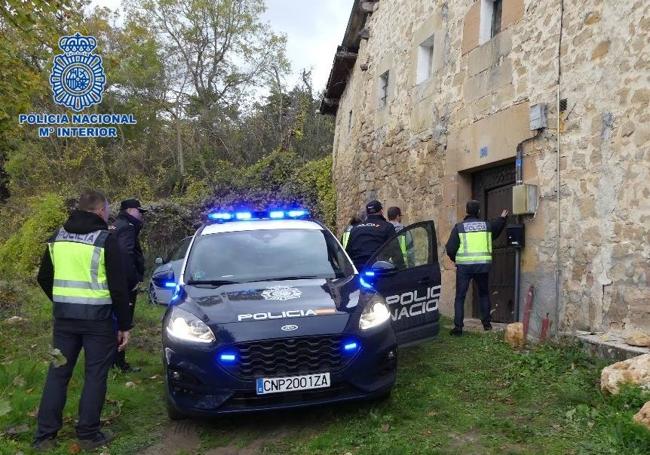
(269, 312)
(162, 284)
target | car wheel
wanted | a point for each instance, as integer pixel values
(385, 395)
(173, 413)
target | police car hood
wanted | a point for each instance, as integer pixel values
(280, 301)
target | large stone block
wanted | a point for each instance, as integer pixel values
(471, 26)
(489, 54)
(643, 416)
(512, 12)
(488, 81)
(632, 371)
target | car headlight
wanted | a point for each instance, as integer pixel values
(184, 326)
(375, 313)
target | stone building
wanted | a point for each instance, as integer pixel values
(433, 98)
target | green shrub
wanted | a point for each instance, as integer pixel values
(279, 179)
(21, 253)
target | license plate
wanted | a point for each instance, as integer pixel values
(292, 383)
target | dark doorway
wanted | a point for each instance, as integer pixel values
(493, 189)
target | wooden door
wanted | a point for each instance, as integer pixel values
(493, 189)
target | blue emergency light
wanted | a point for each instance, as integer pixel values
(274, 214)
(243, 216)
(297, 213)
(364, 283)
(220, 216)
(228, 357)
(170, 284)
(351, 346)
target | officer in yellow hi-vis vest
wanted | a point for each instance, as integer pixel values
(470, 247)
(405, 240)
(83, 274)
(345, 237)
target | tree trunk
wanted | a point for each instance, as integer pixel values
(179, 147)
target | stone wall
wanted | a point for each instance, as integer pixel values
(473, 111)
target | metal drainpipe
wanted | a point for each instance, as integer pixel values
(519, 177)
(558, 265)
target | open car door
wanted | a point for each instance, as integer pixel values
(405, 270)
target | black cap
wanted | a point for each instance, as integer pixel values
(373, 207)
(131, 204)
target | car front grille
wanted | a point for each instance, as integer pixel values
(289, 357)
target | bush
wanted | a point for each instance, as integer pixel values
(280, 179)
(20, 255)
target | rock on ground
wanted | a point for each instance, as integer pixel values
(638, 339)
(632, 371)
(643, 416)
(515, 335)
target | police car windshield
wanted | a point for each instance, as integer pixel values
(263, 255)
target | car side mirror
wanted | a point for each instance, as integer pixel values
(159, 261)
(165, 279)
(383, 268)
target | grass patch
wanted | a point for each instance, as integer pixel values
(453, 396)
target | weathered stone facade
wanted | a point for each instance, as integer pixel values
(419, 149)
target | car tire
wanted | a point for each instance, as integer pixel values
(173, 413)
(384, 396)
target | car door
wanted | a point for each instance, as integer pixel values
(405, 270)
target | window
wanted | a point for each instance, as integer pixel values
(410, 249)
(425, 60)
(383, 89)
(497, 11)
(181, 249)
(491, 13)
(261, 255)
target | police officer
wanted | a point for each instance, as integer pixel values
(345, 237)
(367, 237)
(470, 247)
(127, 227)
(406, 240)
(81, 272)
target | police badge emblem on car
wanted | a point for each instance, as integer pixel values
(281, 293)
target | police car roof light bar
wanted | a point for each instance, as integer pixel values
(275, 214)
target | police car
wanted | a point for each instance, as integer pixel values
(269, 312)
(162, 284)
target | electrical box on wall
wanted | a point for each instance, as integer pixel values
(538, 117)
(524, 199)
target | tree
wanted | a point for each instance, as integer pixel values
(29, 31)
(218, 51)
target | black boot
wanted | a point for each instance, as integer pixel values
(487, 326)
(122, 365)
(456, 331)
(102, 438)
(45, 444)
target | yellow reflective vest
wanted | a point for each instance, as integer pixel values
(345, 238)
(80, 271)
(475, 243)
